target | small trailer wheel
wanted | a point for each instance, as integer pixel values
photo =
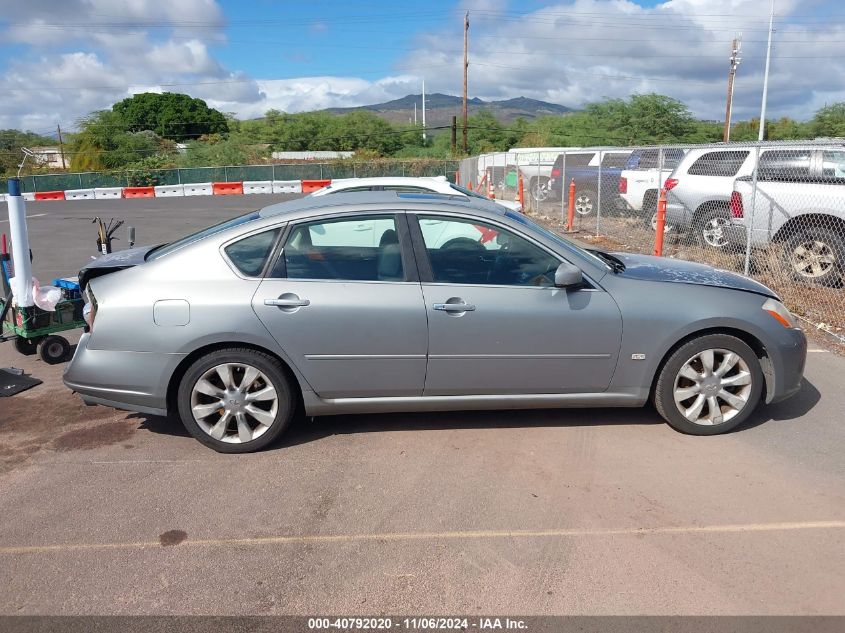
(26, 346)
(54, 350)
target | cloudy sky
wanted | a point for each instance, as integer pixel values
(60, 59)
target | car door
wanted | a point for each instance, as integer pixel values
(349, 315)
(497, 324)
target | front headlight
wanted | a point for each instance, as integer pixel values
(779, 313)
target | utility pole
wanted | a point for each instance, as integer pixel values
(423, 106)
(464, 144)
(454, 134)
(735, 59)
(766, 75)
(61, 145)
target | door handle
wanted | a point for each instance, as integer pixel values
(454, 307)
(287, 303)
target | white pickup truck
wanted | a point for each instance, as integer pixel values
(642, 178)
(799, 206)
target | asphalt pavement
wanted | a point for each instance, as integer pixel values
(545, 512)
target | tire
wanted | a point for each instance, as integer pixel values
(816, 255)
(649, 210)
(54, 349)
(585, 202)
(745, 372)
(538, 187)
(250, 424)
(26, 346)
(652, 224)
(709, 227)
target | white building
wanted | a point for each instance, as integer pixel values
(51, 157)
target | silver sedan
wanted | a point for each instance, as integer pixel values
(386, 301)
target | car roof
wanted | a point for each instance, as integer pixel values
(377, 200)
(380, 180)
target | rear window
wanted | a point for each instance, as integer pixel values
(165, 249)
(614, 160)
(786, 165)
(250, 254)
(574, 160)
(650, 159)
(723, 164)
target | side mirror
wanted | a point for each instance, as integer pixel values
(568, 275)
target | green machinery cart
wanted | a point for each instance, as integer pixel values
(35, 330)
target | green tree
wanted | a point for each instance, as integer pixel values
(11, 142)
(829, 121)
(103, 143)
(171, 115)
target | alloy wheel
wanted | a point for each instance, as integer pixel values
(713, 232)
(713, 387)
(812, 259)
(234, 402)
(583, 204)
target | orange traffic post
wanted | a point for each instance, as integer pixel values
(457, 176)
(481, 184)
(661, 224)
(570, 220)
(491, 191)
(520, 192)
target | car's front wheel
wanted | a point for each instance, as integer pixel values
(710, 228)
(709, 385)
(235, 400)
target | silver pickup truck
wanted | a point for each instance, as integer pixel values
(799, 207)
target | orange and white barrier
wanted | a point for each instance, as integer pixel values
(190, 189)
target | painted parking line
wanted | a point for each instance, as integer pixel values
(743, 528)
(818, 351)
(34, 215)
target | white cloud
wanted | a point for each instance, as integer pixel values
(572, 53)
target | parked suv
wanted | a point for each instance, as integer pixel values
(800, 206)
(698, 193)
(592, 170)
(643, 176)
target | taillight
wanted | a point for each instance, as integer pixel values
(670, 183)
(736, 205)
(555, 173)
(89, 310)
(623, 185)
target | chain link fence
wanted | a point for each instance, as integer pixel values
(774, 211)
(190, 175)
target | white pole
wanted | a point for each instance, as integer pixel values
(21, 283)
(766, 74)
(423, 106)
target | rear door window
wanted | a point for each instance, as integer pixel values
(363, 248)
(722, 164)
(833, 166)
(786, 165)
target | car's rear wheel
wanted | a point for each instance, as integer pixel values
(236, 400)
(816, 255)
(710, 228)
(709, 385)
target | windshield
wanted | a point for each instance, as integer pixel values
(164, 249)
(519, 217)
(467, 192)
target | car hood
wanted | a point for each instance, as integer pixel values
(113, 262)
(650, 268)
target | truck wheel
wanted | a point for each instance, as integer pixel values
(236, 400)
(710, 228)
(816, 255)
(26, 346)
(709, 385)
(539, 188)
(585, 202)
(54, 349)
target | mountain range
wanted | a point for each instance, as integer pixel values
(440, 108)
